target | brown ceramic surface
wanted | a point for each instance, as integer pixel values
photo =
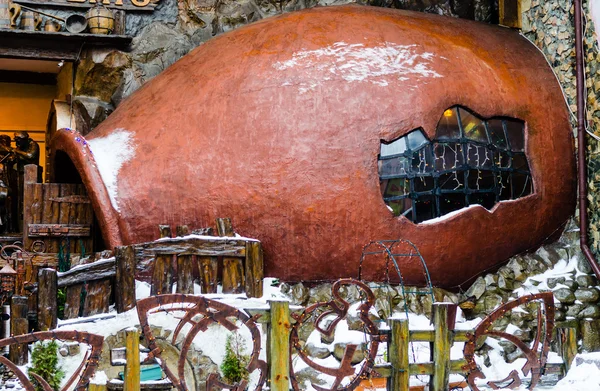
(278, 126)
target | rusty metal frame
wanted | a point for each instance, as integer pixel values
(536, 356)
(337, 307)
(210, 312)
(85, 371)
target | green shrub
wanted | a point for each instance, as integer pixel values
(44, 363)
(235, 361)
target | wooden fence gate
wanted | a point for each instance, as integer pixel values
(59, 214)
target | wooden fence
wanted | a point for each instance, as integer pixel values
(397, 370)
(89, 289)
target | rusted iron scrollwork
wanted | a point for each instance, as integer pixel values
(535, 353)
(199, 313)
(82, 375)
(321, 314)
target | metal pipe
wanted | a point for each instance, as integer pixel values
(581, 165)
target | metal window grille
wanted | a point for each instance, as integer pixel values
(470, 161)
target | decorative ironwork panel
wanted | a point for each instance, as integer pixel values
(325, 317)
(535, 353)
(82, 375)
(199, 313)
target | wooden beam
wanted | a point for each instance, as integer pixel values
(47, 299)
(98, 270)
(19, 325)
(279, 363)
(441, 348)
(132, 366)
(254, 269)
(398, 345)
(42, 45)
(45, 79)
(125, 278)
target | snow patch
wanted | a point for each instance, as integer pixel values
(110, 153)
(358, 63)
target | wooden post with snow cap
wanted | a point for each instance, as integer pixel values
(279, 346)
(398, 355)
(132, 356)
(442, 341)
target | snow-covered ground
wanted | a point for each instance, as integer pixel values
(584, 376)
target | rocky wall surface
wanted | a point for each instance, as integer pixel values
(550, 25)
(559, 267)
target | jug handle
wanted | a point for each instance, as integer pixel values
(15, 11)
(38, 22)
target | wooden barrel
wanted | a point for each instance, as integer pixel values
(100, 20)
(30, 20)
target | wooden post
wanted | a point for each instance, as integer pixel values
(97, 387)
(398, 355)
(207, 269)
(19, 325)
(97, 298)
(132, 357)
(254, 272)
(185, 274)
(119, 22)
(165, 231)
(125, 278)
(224, 227)
(47, 308)
(31, 196)
(162, 273)
(182, 230)
(279, 348)
(441, 347)
(73, 301)
(233, 275)
(567, 345)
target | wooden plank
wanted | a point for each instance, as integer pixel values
(207, 268)
(279, 363)
(125, 278)
(105, 268)
(398, 354)
(441, 347)
(66, 189)
(73, 301)
(19, 325)
(132, 354)
(51, 212)
(224, 227)
(567, 345)
(165, 231)
(47, 299)
(456, 367)
(233, 275)
(185, 274)
(254, 270)
(58, 230)
(29, 195)
(192, 246)
(97, 299)
(97, 387)
(162, 275)
(427, 335)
